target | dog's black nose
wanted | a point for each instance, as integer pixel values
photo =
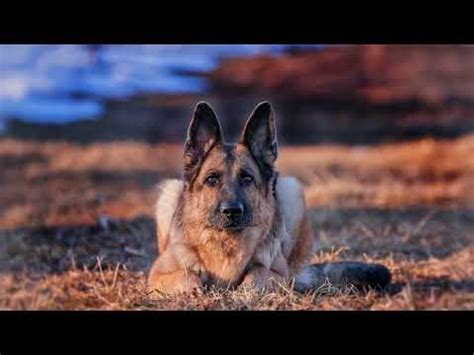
(232, 208)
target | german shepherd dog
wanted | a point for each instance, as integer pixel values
(232, 220)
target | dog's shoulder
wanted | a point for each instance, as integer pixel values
(291, 202)
(169, 192)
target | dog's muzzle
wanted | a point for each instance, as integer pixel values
(230, 215)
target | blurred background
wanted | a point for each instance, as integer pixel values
(95, 93)
(382, 137)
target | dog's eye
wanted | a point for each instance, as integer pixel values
(246, 178)
(212, 180)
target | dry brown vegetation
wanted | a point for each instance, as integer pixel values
(76, 227)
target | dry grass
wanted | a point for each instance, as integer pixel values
(117, 287)
(72, 237)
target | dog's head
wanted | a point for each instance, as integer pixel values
(227, 186)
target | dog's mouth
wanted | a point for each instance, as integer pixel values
(235, 227)
(231, 227)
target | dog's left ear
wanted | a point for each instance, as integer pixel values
(259, 134)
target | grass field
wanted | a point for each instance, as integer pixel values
(76, 230)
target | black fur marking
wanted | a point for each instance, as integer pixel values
(275, 178)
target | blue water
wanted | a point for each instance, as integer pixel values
(62, 83)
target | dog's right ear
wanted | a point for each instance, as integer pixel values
(204, 132)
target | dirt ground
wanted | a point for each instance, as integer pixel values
(76, 230)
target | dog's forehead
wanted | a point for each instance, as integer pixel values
(243, 156)
(231, 156)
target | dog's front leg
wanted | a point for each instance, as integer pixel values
(170, 276)
(264, 278)
(179, 281)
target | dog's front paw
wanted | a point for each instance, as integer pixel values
(262, 281)
(174, 283)
(187, 283)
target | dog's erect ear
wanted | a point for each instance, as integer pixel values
(259, 134)
(204, 132)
